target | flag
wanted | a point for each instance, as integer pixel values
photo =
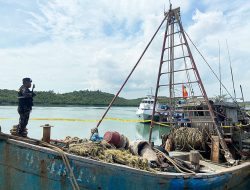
(184, 92)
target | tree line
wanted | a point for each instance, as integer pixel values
(77, 98)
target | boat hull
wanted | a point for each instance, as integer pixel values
(24, 166)
(146, 115)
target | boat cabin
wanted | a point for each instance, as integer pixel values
(196, 110)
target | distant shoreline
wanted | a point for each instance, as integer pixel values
(80, 98)
(75, 98)
(68, 105)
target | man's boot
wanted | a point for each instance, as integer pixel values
(18, 131)
(24, 133)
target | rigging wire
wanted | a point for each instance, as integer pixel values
(211, 68)
(190, 85)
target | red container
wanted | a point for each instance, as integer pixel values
(112, 138)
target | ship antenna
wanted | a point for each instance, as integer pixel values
(170, 5)
(231, 70)
(220, 70)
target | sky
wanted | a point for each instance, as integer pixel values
(67, 45)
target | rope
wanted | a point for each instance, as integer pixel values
(178, 167)
(184, 138)
(66, 163)
(138, 61)
(107, 119)
(82, 120)
(234, 99)
(61, 152)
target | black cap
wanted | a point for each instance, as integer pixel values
(27, 80)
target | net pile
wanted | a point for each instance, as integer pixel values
(104, 151)
(185, 138)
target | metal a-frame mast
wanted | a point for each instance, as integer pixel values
(178, 66)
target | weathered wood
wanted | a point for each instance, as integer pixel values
(215, 151)
(4, 136)
(169, 145)
(194, 157)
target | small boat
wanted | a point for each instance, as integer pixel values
(145, 109)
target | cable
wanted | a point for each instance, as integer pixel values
(210, 67)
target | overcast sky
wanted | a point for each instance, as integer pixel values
(66, 45)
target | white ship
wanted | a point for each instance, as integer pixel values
(145, 109)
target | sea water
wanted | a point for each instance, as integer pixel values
(120, 119)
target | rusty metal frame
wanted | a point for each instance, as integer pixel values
(174, 17)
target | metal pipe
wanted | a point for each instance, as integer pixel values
(111, 103)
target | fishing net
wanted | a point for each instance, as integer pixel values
(106, 152)
(185, 138)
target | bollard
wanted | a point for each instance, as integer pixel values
(46, 132)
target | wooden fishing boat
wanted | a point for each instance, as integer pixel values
(26, 166)
(29, 164)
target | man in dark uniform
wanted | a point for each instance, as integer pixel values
(25, 103)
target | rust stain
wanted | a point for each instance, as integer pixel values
(7, 168)
(42, 167)
(43, 173)
(63, 182)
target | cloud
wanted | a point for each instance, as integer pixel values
(82, 44)
(221, 25)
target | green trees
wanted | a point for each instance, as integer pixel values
(82, 97)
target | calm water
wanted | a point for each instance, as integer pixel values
(61, 129)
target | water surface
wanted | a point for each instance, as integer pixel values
(90, 115)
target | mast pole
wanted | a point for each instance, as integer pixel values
(158, 78)
(242, 96)
(220, 69)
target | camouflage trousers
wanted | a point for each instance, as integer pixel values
(23, 120)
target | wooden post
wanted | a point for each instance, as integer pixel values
(194, 158)
(215, 150)
(46, 133)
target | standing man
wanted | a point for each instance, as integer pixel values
(25, 103)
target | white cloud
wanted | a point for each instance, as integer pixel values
(229, 24)
(82, 44)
